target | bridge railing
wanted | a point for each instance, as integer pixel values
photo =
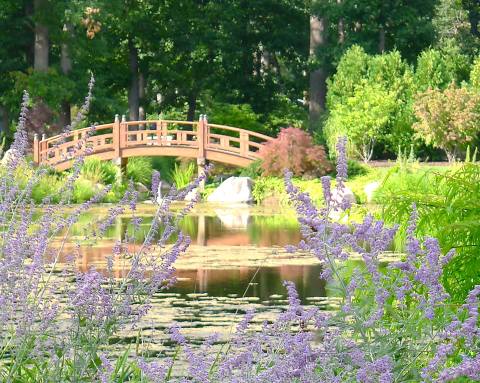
(113, 138)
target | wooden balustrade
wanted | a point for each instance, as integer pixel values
(123, 139)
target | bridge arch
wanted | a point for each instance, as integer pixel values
(123, 139)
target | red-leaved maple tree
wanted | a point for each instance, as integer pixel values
(294, 149)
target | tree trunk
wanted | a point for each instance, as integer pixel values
(30, 51)
(341, 26)
(134, 91)
(381, 40)
(474, 19)
(66, 65)
(4, 120)
(141, 96)
(318, 85)
(192, 106)
(40, 60)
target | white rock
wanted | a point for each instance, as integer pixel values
(343, 195)
(339, 196)
(370, 190)
(9, 155)
(191, 195)
(233, 218)
(233, 190)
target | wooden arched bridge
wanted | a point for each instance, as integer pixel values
(123, 139)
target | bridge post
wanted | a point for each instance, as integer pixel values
(244, 144)
(44, 146)
(118, 144)
(35, 149)
(201, 160)
(116, 136)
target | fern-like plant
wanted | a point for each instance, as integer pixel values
(448, 204)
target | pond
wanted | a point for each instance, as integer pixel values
(236, 262)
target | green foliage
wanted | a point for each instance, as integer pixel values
(51, 87)
(363, 119)
(169, 113)
(265, 187)
(139, 169)
(285, 113)
(406, 26)
(241, 116)
(163, 165)
(100, 171)
(84, 189)
(351, 70)
(377, 92)
(183, 174)
(47, 186)
(254, 170)
(475, 74)
(115, 194)
(438, 68)
(355, 169)
(448, 204)
(453, 25)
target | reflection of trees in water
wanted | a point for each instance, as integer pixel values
(231, 227)
(267, 282)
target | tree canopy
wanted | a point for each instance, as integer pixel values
(265, 63)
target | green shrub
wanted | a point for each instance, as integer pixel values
(139, 169)
(240, 116)
(355, 169)
(370, 101)
(47, 186)
(83, 190)
(164, 165)
(438, 68)
(100, 171)
(115, 194)
(265, 187)
(254, 170)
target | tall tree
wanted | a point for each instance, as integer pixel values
(318, 74)
(66, 67)
(42, 50)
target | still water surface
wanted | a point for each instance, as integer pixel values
(236, 262)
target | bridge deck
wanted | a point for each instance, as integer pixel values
(123, 139)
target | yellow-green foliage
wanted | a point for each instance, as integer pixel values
(98, 171)
(448, 204)
(48, 186)
(83, 190)
(183, 174)
(139, 169)
(266, 187)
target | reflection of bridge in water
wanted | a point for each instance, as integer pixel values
(233, 236)
(123, 139)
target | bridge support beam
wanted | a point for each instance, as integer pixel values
(201, 163)
(122, 167)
